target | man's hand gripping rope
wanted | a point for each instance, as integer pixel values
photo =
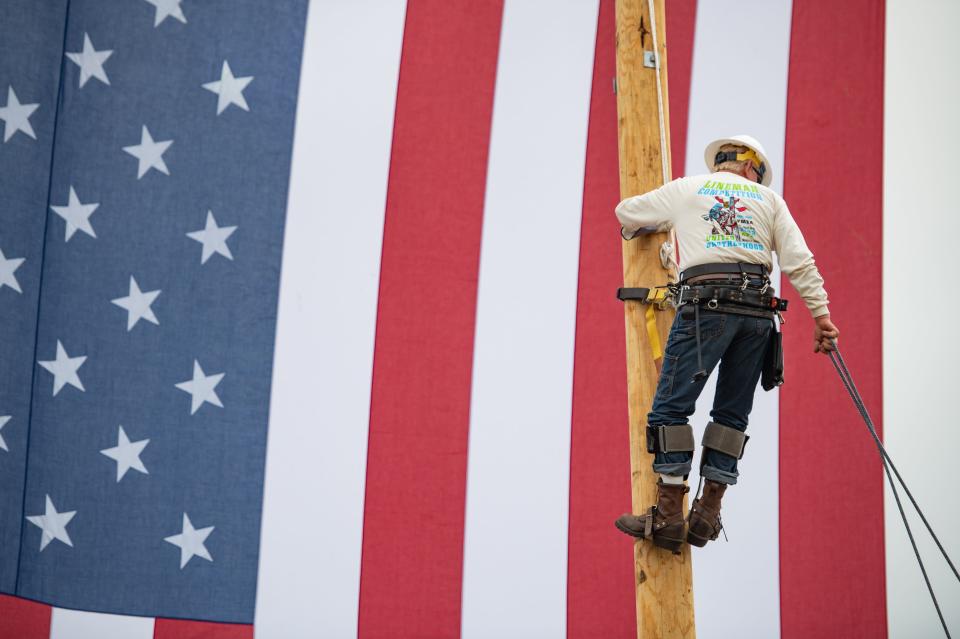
(825, 335)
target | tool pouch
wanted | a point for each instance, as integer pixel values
(772, 375)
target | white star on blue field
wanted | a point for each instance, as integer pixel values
(53, 524)
(149, 153)
(8, 268)
(90, 62)
(213, 238)
(64, 369)
(201, 388)
(127, 454)
(138, 303)
(167, 9)
(76, 215)
(191, 541)
(229, 89)
(16, 116)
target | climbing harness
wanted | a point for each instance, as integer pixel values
(847, 379)
(739, 288)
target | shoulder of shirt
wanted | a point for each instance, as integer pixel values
(696, 178)
(675, 183)
(775, 197)
(686, 181)
(766, 190)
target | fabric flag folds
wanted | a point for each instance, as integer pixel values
(138, 385)
(308, 325)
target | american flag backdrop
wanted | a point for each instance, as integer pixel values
(308, 326)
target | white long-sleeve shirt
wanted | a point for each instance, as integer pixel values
(724, 217)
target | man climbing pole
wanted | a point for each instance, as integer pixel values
(726, 225)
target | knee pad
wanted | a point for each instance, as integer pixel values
(671, 438)
(724, 439)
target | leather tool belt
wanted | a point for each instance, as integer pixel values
(739, 288)
(725, 268)
(731, 298)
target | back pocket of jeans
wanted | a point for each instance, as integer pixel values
(711, 322)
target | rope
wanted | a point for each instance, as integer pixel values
(847, 379)
(660, 112)
(861, 407)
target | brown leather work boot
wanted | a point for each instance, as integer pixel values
(704, 518)
(663, 523)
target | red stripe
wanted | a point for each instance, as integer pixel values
(600, 591)
(412, 564)
(22, 619)
(178, 629)
(831, 496)
(681, 18)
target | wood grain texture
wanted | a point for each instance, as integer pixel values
(664, 581)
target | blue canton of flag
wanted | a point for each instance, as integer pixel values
(144, 169)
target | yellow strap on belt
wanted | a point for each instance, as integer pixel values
(652, 333)
(657, 296)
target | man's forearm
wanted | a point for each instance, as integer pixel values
(809, 284)
(637, 216)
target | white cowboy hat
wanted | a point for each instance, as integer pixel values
(740, 140)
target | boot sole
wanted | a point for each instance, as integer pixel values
(628, 531)
(699, 542)
(673, 545)
(694, 538)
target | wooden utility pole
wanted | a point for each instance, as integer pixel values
(664, 581)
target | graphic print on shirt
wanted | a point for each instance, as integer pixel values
(731, 225)
(746, 191)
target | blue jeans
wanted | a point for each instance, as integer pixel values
(737, 343)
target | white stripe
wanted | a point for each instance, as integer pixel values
(76, 624)
(319, 413)
(515, 563)
(920, 346)
(730, 95)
